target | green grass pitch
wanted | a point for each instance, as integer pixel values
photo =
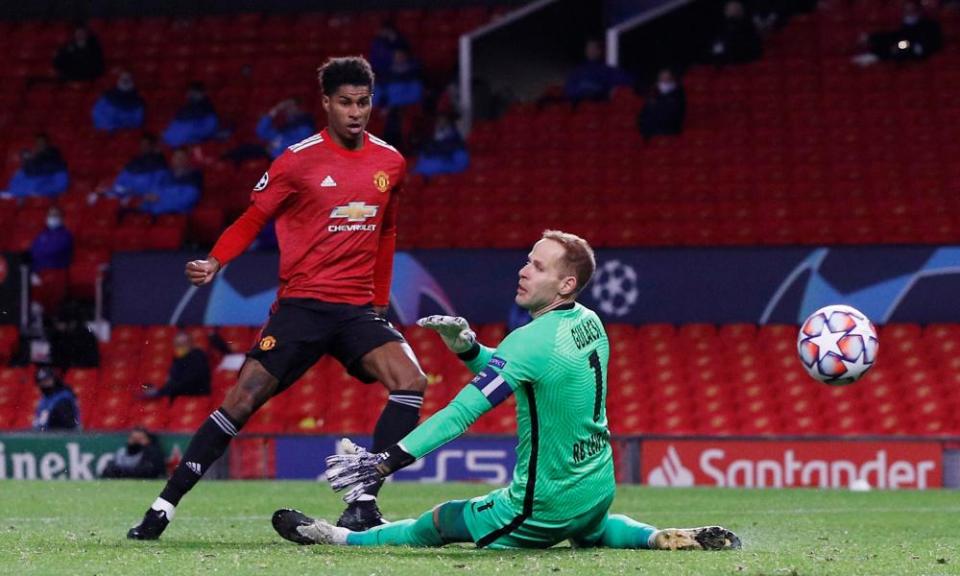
(224, 528)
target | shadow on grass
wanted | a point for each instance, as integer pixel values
(205, 545)
(453, 551)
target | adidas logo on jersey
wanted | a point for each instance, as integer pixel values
(328, 182)
(195, 468)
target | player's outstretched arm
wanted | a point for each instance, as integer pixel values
(233, 242)
(201, 272)
(453, 330)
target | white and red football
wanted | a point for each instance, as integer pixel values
(837, 344)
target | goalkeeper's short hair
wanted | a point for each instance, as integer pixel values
(578, 259)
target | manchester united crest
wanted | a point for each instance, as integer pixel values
(381, 180)
(267, 343)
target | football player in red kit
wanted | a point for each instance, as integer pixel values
(334, 198)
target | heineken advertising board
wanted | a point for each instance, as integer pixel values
(70, 456)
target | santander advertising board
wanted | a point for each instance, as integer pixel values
(778, 464)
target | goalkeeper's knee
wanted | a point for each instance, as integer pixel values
(449, 522)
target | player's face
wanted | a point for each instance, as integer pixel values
(348, 111)
(542, 282)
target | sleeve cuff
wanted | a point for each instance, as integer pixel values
(396, 458)
(470, 354)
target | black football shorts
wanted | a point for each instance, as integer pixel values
(301, 330)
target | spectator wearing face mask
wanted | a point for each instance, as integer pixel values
(142, 457)
(189, 373)
(57, 408)
(919, 36)
(53, 247)
(664, 109)
(195, 121)
(50, 255)
(120, 107)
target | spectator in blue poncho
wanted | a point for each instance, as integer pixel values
(401, 84)
(445, 153)
(42, 172)
(120, 107)
(178, 190)
(284, 125)
(594, 79)
(52, 249)
(387, 41)
(143, 173)
(196, 120)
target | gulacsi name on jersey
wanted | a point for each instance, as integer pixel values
(355, 214)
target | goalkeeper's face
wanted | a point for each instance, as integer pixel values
(543, 281)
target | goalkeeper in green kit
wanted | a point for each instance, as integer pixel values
(563, 483)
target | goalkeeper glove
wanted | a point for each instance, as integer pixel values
(454, 330)
(359, 470)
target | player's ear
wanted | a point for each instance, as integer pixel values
(568, 286)
(325, 100)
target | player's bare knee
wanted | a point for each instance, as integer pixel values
(413, 381)
(239, 404)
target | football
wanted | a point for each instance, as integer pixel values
(837, 344)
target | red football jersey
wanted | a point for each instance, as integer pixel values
(335, 212)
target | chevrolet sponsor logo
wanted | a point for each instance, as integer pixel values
(355, 212)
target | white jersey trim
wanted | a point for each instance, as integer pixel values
(306, 143)
(381, 143)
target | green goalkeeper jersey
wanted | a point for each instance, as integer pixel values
(557, 367)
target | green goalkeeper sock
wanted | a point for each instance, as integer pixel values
(419, 533)
(625, 532)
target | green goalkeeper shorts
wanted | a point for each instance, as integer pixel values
(494, 523)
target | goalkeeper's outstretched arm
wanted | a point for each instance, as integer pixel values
(460, 339)
(357, 471)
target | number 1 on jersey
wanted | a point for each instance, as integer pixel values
(598, 376)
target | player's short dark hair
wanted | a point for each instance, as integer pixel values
(345, 71)
(578, 259)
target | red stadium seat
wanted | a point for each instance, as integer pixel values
(159, 335)
(153, 415)
(9, 342)
(113, 413)
(239, 338)
(761, 424)
(165, 237)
